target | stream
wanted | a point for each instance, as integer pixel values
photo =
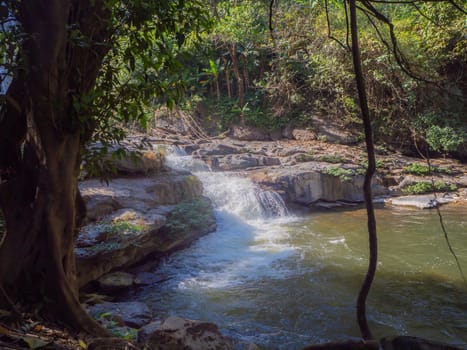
(284, 280)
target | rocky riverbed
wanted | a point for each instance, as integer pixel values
(149, 210)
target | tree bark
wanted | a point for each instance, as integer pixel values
(359, 78)
(238, 76)
(39, 193)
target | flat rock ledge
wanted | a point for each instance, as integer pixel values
(132, 218)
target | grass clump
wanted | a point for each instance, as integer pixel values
(341, 173)
(428, 187)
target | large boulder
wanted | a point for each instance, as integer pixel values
(176, 333)
(144, 162)
(141, 194)
(141, 223)
(308, 183)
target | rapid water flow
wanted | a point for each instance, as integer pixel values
(284, 281)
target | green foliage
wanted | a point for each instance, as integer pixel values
(444, 139)
(428, 187)
(341, 173)
(444, 131)
(330, 158)
(423, 170)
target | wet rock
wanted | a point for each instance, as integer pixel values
(109, 344)
(148, 278)
(132, 314)
(116, 281)
(145, 332)
(176, 333)
(413, 343)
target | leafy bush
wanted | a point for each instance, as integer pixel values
(443, 132)
(445, 139)
(341, 173)
(428, 187)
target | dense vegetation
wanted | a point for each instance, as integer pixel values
(245, 73)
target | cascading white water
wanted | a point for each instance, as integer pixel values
(230, 192)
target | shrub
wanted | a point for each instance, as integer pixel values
(341, 173)
(422, 170)
(428, 187)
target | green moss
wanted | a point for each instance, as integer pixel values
(190, 216)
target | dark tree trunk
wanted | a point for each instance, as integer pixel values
(39, 166)
(365, 289)
(227, 79)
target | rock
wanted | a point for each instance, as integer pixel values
(145, 332)
(237, 162)
(214, 149)
(109, 344)
(139, 194)
(307, 183)
(327, 130)
(245, 133)
(303, 135)
(132, 314)
(275, 135)
(116, 281)
(148, 278)
(176, 333)
(413, 343)
(149, 162)
(426, 201)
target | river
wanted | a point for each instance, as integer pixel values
(283, 280)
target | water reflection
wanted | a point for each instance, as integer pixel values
(286, 283)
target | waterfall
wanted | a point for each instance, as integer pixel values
(230, 192)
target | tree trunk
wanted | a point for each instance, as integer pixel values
(227, 79)
(39, 164)
(365, 289)
(238, 76)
